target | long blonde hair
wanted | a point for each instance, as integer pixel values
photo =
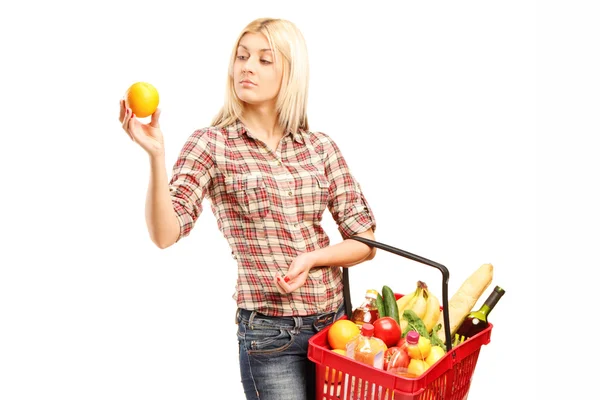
(286, 40)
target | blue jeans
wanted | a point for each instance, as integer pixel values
(273, 354)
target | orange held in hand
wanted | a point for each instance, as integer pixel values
(142, 98)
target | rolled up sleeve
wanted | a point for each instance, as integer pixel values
(348, 205)
(190, 181)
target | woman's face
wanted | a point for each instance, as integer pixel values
(256, 76)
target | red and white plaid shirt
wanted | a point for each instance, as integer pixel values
(269, 206)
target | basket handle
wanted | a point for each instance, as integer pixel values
(414, 257)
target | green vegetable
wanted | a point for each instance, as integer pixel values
(414, 324)
(389, 302)
(435, 340)
(380, 306)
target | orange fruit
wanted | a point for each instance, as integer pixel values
(142, 98)
(341, 332)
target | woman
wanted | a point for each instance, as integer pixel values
(269, 180)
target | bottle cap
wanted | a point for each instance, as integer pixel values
(367, 329)
(372, 293)
(412, 337)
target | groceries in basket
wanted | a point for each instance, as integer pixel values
(407, 331)
(428, 371)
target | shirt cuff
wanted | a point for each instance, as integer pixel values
(359, 219)
(186, 222)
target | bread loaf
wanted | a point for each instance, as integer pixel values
(462, 302)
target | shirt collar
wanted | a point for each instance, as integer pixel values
(237, 128)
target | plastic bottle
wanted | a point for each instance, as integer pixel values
(417, 352)
(367, 312)
(366, 348)
(412, 346)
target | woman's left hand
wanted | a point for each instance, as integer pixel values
(296, 274)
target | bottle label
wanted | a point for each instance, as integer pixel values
(378, 360)
(350, 349)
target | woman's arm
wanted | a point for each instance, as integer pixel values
(346, 254)
(161, 218)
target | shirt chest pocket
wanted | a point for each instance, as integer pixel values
(317, 185)
(249, 193)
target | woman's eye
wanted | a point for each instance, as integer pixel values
(241, 57)
(265, 61)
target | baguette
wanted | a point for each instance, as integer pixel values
(462, 302)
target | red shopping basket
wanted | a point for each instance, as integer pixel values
(448, 379)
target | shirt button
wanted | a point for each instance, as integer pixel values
(289, 193)
(295, 225)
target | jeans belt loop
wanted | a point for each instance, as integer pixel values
(251, 319)
(323, 320)
(297, 325)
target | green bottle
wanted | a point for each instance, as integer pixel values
(477, 321)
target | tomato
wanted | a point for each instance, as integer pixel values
(401, 342)
(388, 330)
(395, 359)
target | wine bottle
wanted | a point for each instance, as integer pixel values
(477, 321)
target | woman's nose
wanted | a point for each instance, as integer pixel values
(249, 66)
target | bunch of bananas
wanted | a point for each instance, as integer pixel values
(423, 303)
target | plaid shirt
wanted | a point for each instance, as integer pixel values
(269, 205)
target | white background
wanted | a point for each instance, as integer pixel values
(432, 103)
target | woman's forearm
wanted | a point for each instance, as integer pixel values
(161, 219)
(346, 254)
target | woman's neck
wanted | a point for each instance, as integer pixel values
(262, 122)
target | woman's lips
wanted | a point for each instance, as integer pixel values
(247, 83)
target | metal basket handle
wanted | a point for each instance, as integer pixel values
(414, 257)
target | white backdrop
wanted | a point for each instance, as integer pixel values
(432, 103)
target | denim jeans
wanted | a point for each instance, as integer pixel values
(273, 354)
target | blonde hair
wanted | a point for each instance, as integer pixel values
(286, 40)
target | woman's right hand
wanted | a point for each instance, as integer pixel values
(148, 136)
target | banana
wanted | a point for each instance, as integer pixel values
(403, 301)
(420, 304)
(433, 310)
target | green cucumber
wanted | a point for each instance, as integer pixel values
(380, 306)
(389, 302)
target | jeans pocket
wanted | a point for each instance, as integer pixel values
(264, 340)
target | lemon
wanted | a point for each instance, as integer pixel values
(435, 354)
(417, 367)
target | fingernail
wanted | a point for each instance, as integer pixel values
(279, 279)
(287, 279)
